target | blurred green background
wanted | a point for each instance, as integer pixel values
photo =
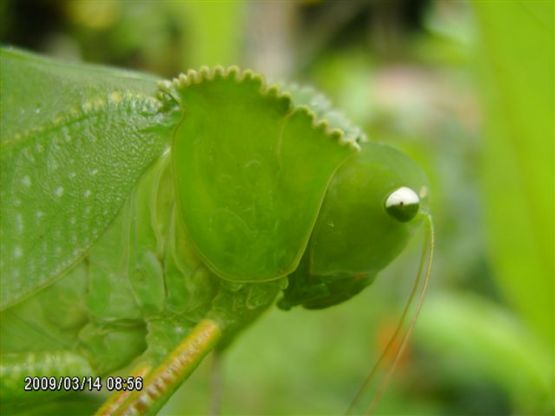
(465, 88)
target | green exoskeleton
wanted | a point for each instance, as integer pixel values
(144, 223)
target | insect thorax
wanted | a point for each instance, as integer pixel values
(140, 289)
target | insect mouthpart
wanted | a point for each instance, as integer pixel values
(402, 204)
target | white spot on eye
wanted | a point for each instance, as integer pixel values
(402, 196)
(59, 191)
(17, 253)
(87, 193)
(26, 181)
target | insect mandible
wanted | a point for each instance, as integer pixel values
(146, 222)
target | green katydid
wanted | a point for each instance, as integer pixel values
(147, 222)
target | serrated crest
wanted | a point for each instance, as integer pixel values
(323, 117)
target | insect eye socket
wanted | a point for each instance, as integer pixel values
(402, 204)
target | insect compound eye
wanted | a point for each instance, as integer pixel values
(402, 204)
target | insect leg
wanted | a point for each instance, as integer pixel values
(163, 380)
(117, 399)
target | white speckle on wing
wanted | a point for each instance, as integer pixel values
(28, 154)
(26, 181)
(59, 191)
(17, 252)
(19, 223)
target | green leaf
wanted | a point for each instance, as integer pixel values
(516, 39)
(210, 31)
(476, 340)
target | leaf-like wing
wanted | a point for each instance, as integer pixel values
(74, 140)
(252, 169)
(34, 90)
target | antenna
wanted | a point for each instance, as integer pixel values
(424, 269)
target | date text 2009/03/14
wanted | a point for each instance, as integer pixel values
(65, 383)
